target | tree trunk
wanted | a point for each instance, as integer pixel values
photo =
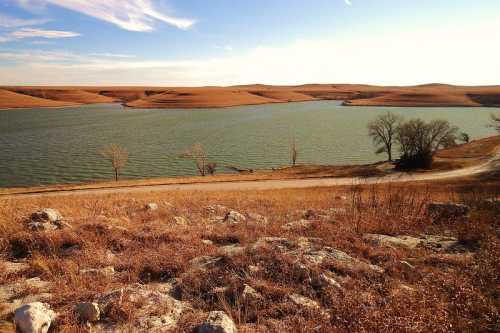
(116, 174)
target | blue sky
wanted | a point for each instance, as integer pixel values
(224, 42)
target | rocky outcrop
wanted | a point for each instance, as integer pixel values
(436, 243)
(45, 220)
(297, 225)
(217, 322)
(234, 217)
(152, 206)
(34, 318)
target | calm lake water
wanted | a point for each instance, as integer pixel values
(49, 146)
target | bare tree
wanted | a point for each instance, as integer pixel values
(495, 122)
(294, 151)
(382, 130)
(464, 137)
(419, 141)
(199, 156)
(117, 155)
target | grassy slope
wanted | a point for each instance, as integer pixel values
(205, 97)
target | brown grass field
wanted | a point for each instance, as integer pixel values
(421, 289)
(208, 97)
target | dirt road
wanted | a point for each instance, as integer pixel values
(485, 167)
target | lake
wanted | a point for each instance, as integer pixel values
(50, 146)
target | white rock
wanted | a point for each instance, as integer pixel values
(234, 217)
(217, 322)
(297, 225)
(250, 294)
(46, 215)
(304, 301)
(106, 271)
(152, 206)
(34, 318)
(181, 220)
(88, 312)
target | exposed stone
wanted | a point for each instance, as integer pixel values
(337, 211)
(437, 243)
(304, 301)
(155, 310)
(331, 254)
(34, 318)
(449, 211)
(341, 198)
(281, 244)
(217, 209)
(204, 262)
(181, 220)
(257, 218)
(46, 215)
(8, 267)
(250, 294)
(152, 206)
(106, 271)
(405, 265)
(11, 291)
(297, 225)
(217, 322)
(207, 242)
(234, 217)
(231, 250)
(42, 226)
(88, 312)
(306, 243)
(327, 281)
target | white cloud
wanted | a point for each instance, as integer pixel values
(133, 15)
(348, 2)
(13, 22)
(437, 54)
(40, 33)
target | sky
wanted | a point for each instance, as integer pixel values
(228, 42)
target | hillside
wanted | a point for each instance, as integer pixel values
(208, 97)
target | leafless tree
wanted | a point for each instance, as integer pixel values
(294, 151)
(419, 141)
(464, 137)
(382, 130)
(495, 122)
(117, 155)
(199, 156)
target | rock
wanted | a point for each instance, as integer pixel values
(341, 198)
(446, 212)
(326, 281)
(310, 214)
(231, 250)
(207, 242)
(257, 218)
(234, 217)
(405, 265)
(337, 211)
(34, 318)
(250, 294)
(436, 243)
(297, 225)
(254, 269)
(11, 291)
(8, 267)
(88, 312)
(204, 262)
(331, 254)
(217, 209)
(278, 243)
(152, 206)
(304, 301)
(155, 310)
(42, 226)
(46, 215)
(307, 243)
(217, 322)
(106, 271)
(181, 220)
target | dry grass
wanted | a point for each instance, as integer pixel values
(450, 293)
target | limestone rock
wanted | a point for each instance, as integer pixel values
(46, 215)
(8, 267)
(34, 318)
(250, 294)
(106, 271)
(433, 242)
(304, 301)
(234, 217)
(257, 218)
(297, 225)
(152, 206)
(231, 250)
(328, 253)
(217, 322)
(204, 262)
(88, 312)
(181, 220)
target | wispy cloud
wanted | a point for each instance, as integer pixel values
(37, 33)
(133, 15)
(14, 22)
(112, 55)
(348, 2)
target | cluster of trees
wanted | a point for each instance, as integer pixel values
(418, 142)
